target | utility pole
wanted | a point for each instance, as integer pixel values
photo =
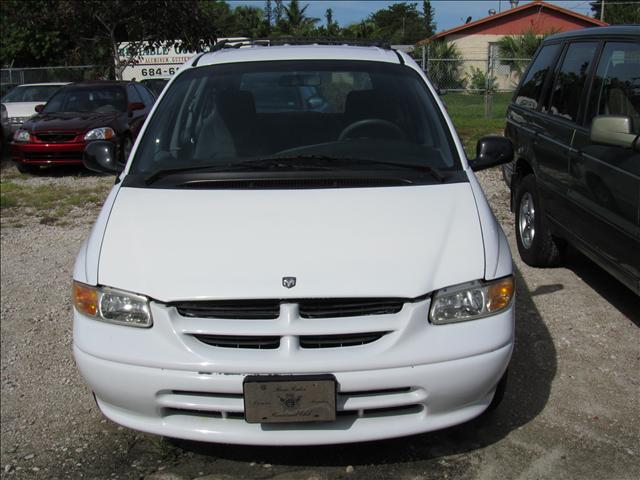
(602, 10)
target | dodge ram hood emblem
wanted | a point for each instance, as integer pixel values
(288, 282)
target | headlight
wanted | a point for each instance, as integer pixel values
(21, 136)
(472, 300)
(111, 305)
(102, 133)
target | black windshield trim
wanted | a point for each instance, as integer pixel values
(200, 180)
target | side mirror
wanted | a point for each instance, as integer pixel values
(491, 151)
(39, 108)
(614, 130)
(101, 156)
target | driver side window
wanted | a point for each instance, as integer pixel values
(616, 86)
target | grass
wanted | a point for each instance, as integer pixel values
(467, 112)
(50, 203)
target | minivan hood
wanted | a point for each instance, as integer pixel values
(229, 244)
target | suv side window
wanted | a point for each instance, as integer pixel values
(570, 80)
(616, 86)
(529, 94)
(147, 97)
(133, 94)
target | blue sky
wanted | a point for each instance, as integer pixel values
(448, 13)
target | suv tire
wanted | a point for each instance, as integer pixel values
(536, 245)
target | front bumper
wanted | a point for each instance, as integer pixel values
(47, 153)
(418, 378)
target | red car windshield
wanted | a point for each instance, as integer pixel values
(88, 100)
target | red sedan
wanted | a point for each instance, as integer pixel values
(77, 114)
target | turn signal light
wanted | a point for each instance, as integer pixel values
(85, 299)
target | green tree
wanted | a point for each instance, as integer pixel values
(33, 34)
(268, 16)
(295, 21)
(364, 30)
(400, 23)
(517, 50)
(618, 12)
(332, 27)
(108, 23)
(248, 22)
(428, 18)
(278, 11)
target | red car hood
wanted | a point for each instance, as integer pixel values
(71, 121)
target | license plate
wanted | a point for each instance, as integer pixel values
(281, 399)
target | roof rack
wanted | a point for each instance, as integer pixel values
(286, 40)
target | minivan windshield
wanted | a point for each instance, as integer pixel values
(292, 114)
(83, 99)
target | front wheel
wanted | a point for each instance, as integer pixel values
(22, 168)
(536, 245)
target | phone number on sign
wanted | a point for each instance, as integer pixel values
(158, 72)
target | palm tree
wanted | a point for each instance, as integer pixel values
(445, 65)
(295, 21)
(517, 50)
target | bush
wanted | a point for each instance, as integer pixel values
(480, 81)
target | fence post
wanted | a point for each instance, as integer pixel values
(488, 98)
(424, 58)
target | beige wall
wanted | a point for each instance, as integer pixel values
(473, 47)
(475, 52)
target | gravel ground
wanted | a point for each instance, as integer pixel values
(572, 408)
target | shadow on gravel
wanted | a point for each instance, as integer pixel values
(607, 286)
(532, 370)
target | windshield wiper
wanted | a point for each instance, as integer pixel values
(303, 161)
(327, 161)
(230, 167)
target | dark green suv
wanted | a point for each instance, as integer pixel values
(575, 124)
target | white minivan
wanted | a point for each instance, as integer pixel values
(296, 252)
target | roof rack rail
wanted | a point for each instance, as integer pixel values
(289, 40)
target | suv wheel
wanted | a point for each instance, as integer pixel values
(536, 245)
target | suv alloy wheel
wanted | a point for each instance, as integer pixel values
(536, 245)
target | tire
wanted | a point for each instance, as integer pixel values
(536, 245)
(22, 168)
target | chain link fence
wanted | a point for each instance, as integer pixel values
(476, 76)
(18, 76)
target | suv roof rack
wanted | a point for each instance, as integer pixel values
(285, 40)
